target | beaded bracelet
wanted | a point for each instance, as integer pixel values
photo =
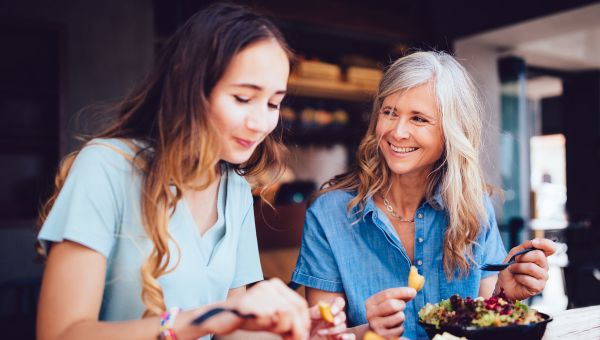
(167, 320)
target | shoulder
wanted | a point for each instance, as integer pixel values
(489, 225)
(488, 205)
(108, 153)
(102, 161)
(335, 197)
(332, 203)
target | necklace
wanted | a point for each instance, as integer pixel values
(392, 212)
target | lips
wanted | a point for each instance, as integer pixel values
(245, 142)
(402, 150)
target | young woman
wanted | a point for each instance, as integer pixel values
(153, 215)
(417, 197)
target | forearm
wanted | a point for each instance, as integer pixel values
(146, 328)
(488, 286)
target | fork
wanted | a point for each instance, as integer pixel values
(214, 311)
(217, 310)
(496, 267)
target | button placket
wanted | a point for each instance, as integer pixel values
(419, 300)
(419, 229)
(381, 225)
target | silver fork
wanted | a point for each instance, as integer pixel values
(496, 267)
(214, 311)
(218, 310)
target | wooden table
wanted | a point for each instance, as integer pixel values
(579, 323)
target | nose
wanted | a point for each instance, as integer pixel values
(401, 130)
(257, 120)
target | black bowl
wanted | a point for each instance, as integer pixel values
(534, 331)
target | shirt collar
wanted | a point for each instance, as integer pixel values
(437, 201)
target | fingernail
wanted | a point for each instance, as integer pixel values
(335, 310)
(323, 332)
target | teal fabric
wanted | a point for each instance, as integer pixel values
(99, 207)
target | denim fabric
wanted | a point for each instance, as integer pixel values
(362, 255)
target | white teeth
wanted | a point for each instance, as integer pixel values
(401, 150)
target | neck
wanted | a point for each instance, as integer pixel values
(203, 179)
(406, 193)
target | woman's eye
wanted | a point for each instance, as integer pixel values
(274, 106)
(420, 119)
(389, 113)
(241, 99)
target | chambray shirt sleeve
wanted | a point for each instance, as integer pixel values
(316, 266)
(86, 210)
(248, 267)
(493, 247)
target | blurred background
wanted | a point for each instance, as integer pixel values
(537, 64)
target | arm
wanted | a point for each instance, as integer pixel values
(83, 298)
(487, 286)
(71, 296)
(236, 291)
(314, 296)
(385, 310)
(529, 274)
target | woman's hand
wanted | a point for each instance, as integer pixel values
(385, 310)
(278, 310)
(321, 329)
(528, 275)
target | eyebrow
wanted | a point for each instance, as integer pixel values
(393, 108)
(256, 87)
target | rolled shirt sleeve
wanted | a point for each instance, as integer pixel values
(493, 248)
(316, 266)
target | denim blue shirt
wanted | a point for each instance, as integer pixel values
(362, 255)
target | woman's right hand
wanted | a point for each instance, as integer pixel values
(385, 310)
(278, 310)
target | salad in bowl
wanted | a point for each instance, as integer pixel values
(483, 318)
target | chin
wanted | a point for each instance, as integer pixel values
(402, 171)
(237, 158)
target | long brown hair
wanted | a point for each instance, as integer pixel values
(457, 174)
(167, 113)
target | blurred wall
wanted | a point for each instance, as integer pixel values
(109, 45)
(481, 62)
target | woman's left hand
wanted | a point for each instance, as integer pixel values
(321, 329)
(528, 275)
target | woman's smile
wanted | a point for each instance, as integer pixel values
(402, 151)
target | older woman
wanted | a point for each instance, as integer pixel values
(417, 197)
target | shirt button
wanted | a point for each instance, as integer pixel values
(419, 262)
(420, 215)
(420, 240)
